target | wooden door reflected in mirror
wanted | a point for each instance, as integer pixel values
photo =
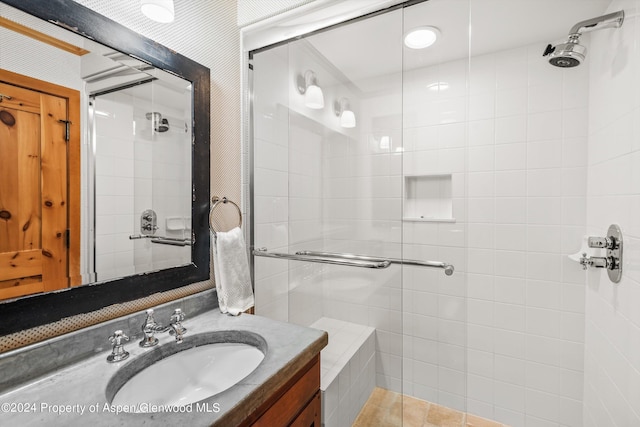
(37, 202)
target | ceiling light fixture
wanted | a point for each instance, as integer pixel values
(421, 37)
(347, 117)
(308, 86)
(158, 10)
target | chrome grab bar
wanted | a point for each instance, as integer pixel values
(448, 268)
(174, 241)
(352, 259)
(323, 259)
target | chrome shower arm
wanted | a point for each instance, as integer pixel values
(611, 20)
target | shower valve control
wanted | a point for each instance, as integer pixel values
(613, 261)
(148, 222)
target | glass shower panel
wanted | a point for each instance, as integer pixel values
(270, 106)
(163, 125)
(435, 125)
(345, 186)
(114, 218)
(527, 181)
(387, 179)
(142, 169)
(328, 178)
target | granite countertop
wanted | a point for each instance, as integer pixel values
(76, 394)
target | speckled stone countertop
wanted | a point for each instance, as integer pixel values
(75, 395)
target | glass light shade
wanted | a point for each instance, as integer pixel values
(313, 97)
(158, 10)
(421, 37)
(348, 119)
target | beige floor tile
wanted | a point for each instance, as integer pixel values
(444, 417)
(371, 415)
(394, 416)
(475, 421)
(385, 408)
(380, 397)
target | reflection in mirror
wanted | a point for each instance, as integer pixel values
(159, 242)
(140, 159)
(95, 160)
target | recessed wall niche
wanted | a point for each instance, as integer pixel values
(428, 198)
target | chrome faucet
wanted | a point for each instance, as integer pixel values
(150, 327)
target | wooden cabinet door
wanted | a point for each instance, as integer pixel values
(33, 192)
(310, 415)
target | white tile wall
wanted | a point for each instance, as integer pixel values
(114, 187)
(348, 370)
(612, 364)
(522, 187)
(137, 170)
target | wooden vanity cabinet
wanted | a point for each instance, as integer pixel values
(296, 404)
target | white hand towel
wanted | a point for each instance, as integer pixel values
(231, 271)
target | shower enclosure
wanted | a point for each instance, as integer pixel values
(473, 153)
(138, 169)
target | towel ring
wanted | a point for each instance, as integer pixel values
(217, 201)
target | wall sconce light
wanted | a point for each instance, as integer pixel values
(341, 109)
(308, 86)
(158, 10)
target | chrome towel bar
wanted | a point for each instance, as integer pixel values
(323, 260)
(448, 268)
(162, 239)
(352, 259)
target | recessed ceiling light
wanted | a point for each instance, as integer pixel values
(421, 37)
(158, 10)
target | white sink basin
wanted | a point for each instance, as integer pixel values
(188, 376)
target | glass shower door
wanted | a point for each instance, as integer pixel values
(374, 168)
(142, 159)
(327, 179)
(352, 206)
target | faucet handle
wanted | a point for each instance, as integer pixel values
(584, 261)
(118, 352)
(601, 242)
(177, 316)
(117, 338)
(176, 327)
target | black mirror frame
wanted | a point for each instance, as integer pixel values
(36, 310)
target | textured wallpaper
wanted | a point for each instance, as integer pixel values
(205, 31)
(251, 11)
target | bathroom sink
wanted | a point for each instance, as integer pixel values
(174, 374)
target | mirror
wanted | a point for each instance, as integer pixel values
(137, 193)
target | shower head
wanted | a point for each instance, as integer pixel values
(566, 55)
(159, 124)
(572, 53)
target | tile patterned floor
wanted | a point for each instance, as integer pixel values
(386, 409)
